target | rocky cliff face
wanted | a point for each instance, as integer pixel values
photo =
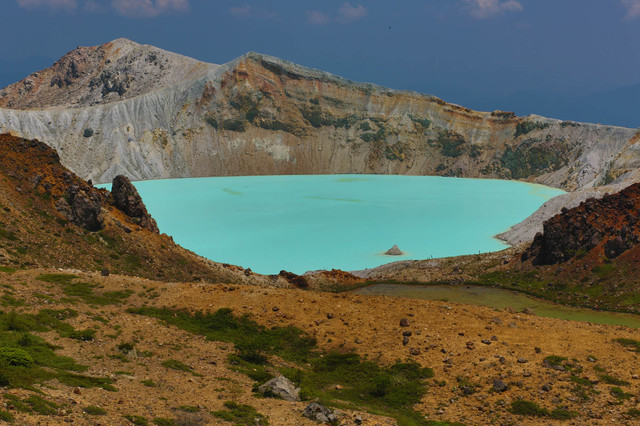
(609, 225)
(123, 108)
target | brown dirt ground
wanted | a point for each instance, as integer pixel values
(365, 324)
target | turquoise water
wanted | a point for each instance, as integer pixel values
(301, 223)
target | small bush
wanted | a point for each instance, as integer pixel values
(634, 412)
(95, 411)
(82, 335)
(524, 127)
(528, 408)
(619, 394)
(177, 365)
(6, 416)
(164, 422)
(88, 132)
(149, 383)
(41, 405)
(629, 343)
(555, 360)
(234, 125)
(15, 357)
(211, 121)
(137, 420)
(562, 414)
(240, 414)
(611, 380)
(189, 408)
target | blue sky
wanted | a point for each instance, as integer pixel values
(570, 59)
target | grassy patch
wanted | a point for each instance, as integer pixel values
(95, 411)
(179, 366)
(634, 412)
(32, 404)
(27, 359)
(160, 421)
(251, 339)
(619, 394)
(611, 380)
(240, 414)
(137, 420)
(189, 408)
(629, 343)
(388, 390)
(7, 270)
(85, 291)
(528, 408)
(6, 416)
(526, 126)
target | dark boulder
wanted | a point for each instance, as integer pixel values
(319, 413)
(127, 200)
(82, 208)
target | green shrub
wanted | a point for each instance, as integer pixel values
(611, 380)
(554, 360)
(15, 357)
(40, 405)
(562, 414)
(177, 365)
(163, 422)
(137, 420)
(634, 412)
(6, 416)
(234, 125)
(83, 335)
(619, 394)
(95, 411)
(189, 408)
(528, 408)
(240, 414)
(629, 343)
(88, 132)
(526, 126)
(451, 143)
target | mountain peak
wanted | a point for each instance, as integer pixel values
(118, 70)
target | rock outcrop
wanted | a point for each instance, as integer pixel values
(319, 413)
(394, 251)
(82, 207)
(127, 200)
(610, 224)
(280, 387)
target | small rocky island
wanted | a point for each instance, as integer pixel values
(394, 251)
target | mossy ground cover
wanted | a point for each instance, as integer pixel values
(26, 359)
(85, 292)
(241, 414)
(531, 409)
(337, 378)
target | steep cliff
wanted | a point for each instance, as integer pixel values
(123, 108)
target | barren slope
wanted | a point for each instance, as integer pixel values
(174, 374)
